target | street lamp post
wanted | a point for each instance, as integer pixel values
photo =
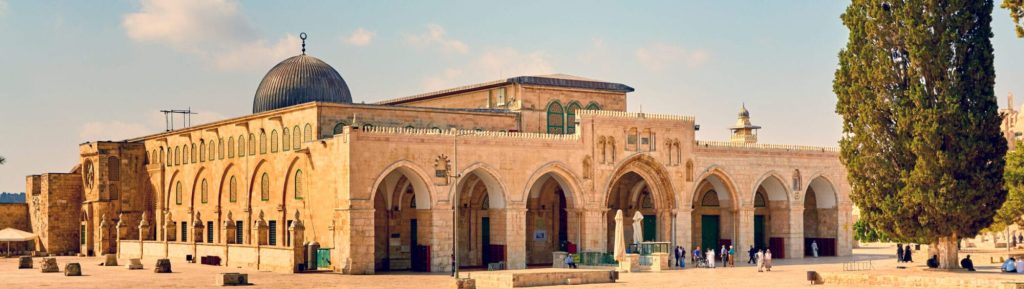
(455, 206)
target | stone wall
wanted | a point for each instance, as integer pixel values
(15, 216)
(54, 211)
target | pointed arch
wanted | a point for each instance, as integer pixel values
(490, 177)
(417, 177)
(775, 187)
(561, 173)
(555, 117)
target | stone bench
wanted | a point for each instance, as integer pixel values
(48, 265)
(163, 266)
(231, 279)
(111, 260)
(134, 264)
(24, 262)
(73, 269)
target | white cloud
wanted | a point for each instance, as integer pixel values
(659, 56)
(112, 130)
(492, 65)
(360, 37)
(437, 36)
(212, 29)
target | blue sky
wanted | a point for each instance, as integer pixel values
(76, 71)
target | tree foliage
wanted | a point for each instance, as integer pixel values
(864, 233)
(1013, 176)
(921, 139)
(1016, 8)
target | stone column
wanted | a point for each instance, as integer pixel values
(844, 238)
(259, 231)
(361, 241)
(746, 228)
(684, 227)
(143, 234)
(295, 231)
(104, 231)
(515, 245)
(441, 239)
(122, 230)
(795, 237)
(595, 224)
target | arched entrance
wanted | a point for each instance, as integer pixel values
(401, 200)
(771, 216)
(821, 218)
(481, 227)
(633, 193)
(548, 219)
(715, 216)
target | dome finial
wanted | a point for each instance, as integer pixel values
(303, 37)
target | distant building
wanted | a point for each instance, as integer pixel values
(12, 198)
(540, 160)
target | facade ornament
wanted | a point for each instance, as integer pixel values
(442, 170)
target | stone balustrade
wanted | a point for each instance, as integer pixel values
(632, 115)
(703, 144)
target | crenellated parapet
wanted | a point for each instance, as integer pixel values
(470, 133)
(702, 145)
(633, 115)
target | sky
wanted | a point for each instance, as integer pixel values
(78, 71)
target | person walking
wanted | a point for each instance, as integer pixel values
(677, 253)
(899, 253)
(908, 255)
(711, 258)
(724, 253)
(732, 256)
(760, 261)
(752, 258)
(768, 260)
(682, 258)
(814, 248)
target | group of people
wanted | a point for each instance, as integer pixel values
(904, 254)
(1013, 265)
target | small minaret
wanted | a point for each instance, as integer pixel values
(744, 132)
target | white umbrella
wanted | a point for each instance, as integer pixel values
(14, 235)
(620, 238)
(638, 229)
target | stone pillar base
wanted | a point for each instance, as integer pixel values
(558, 259)
(659, 262)
(631, 263)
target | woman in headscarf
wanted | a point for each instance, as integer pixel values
(899, 253)
(711, 258)
(768, 260)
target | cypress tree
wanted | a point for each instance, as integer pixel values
(921, 139)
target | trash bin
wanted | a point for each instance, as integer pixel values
(812, 276)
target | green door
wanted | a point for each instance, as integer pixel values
(323, 258)
(759, 237)
(709, 233)
(485, 240)
(650, 225)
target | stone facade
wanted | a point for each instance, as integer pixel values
(528, 165)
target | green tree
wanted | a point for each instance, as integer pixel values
(864, 233)
(921, 139)
(1013, 175)
(1016, 8)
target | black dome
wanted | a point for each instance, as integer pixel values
(300, 79)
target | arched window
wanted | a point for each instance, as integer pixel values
(286, 140)
(570, 117)
(252, 144)
(220, 149)
(202, 151)
(204, 192)
(759, 201)
(631, 139)
(177, 155)
(162, 158)
(113, 169)
(233, 190)
(177, 193)
(263, 143)
(340, 127)
(296, 137)
(273, 141)
(241, 146)
(593, 106)
(193, 153)
(231, 147)
(307, 133)
(796, 180)
(299, 187)
(710, 199)
(213, 150)
(689, 171)
(184, 152)
(556, 118)
(265, 187)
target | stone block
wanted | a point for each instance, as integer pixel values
(558, 259)
(24, 262)
(630, 264)
(111, 260)
(162, 266)
(573, 281)
(134, 264)
(48, 265)
(659, 262)
(72, 269)
(464, 283)
(231, 279)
